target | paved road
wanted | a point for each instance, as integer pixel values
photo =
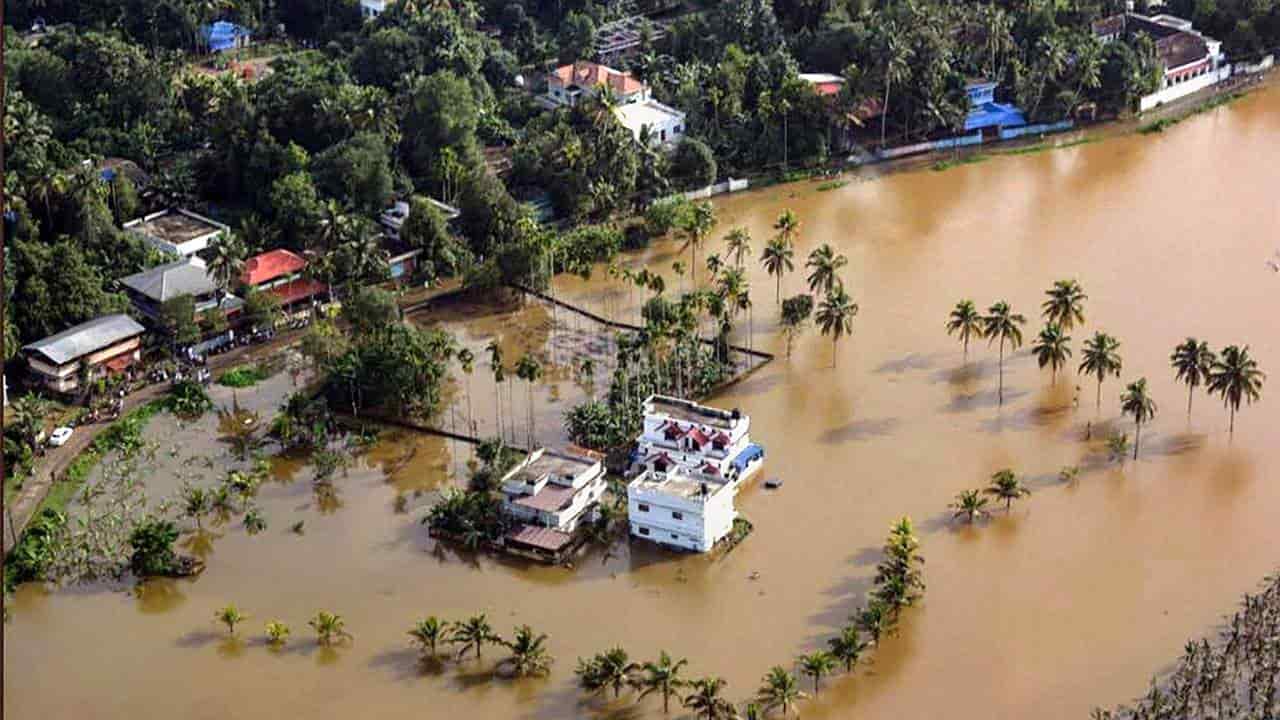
(56, 460)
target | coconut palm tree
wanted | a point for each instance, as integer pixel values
(969, 504)
(815, 665)
(835, 317)
(779, 690)
(847, 647)
(874, 620)
(1007, 487)
(226, 261)
(231, 616)
(1136, 401)
(1100, 358)
(277, 633)
(499, 376)
(329, 627)
(965, 322)
(529, 654)
(467, 363)
(609, 669)
(429, 633)
(27, 415)
(474, 632)
(738, 242)
(1235, 376)
(706, 701)
(529, 370)
(824, 265)
(1192, 360)
(1052, 348)
(1065, 306)
(697, 227)
(788, 227)
(663, 677)
(777, 261)
(1001, 323)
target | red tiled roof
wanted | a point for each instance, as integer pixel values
(827, 88)
(296, 290)
(587, 74)
(538, 537)
(271, 265)
(721, 438)
(699, 436)
(710, 469)
(548, 499)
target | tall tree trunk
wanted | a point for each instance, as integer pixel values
(1190, 393)
(1099, 393)
(1137, 439)
(1000, 392)
(884, 108)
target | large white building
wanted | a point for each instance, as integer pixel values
(1190, 60)
(549, 494)
(692, 458)
(634, 106)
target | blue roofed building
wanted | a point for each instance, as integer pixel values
(987, 114)
(223, 35)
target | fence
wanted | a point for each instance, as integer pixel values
(1262, 65)
(1011, 133)
(703, 193)
(1183, 89)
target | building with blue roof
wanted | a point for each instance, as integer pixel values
(985, 113)
(223, 35)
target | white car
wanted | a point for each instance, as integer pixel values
(59, 437)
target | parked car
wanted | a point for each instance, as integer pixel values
(60, 436)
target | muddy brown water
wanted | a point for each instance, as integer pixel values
(1073, 599)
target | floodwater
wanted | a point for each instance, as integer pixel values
(1071, 600)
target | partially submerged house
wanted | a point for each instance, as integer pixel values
(176, 231)
(107, 345)
(692, 460)
(1189, 60)
(548, 496)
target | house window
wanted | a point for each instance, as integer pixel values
(677, 515)
(675, 536)
(642, 507)
(644, 531)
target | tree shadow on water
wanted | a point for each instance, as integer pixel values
(860, 430)
(910, 361)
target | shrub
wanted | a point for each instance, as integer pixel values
(152, 542)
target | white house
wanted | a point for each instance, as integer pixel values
(634, 107)
(548, 495)
(692, 458)
(177, 232)
(681, 508)
(370, 9)
(1190, 60)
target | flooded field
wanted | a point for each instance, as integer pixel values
(1071, 600)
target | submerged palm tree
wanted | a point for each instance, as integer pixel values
(1137, 402)
(969, 504)
(1002, 324)
(663, 677)
(231, 616)
(824, 265)
(965, 322)
(1192, 360)
(1065, 306)
(609, 669)
(815, 665)
(1235, 376)
(429, 633)
(529, 654)
(277, 633)
(835, 317)
(1100, 358)
(779, 690)
(847, 647)
(698, 226)
(706, 701)
(499, 375)
(529, 370)
(739, 244)
(777, 260)
(788, 226)
(1052, 348)
(1007, 487)
(474, 632)
(329, 627)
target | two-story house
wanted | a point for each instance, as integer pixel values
(634, 105)
(109, 344)
(548, 495)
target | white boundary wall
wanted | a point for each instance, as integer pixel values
(1181, 90)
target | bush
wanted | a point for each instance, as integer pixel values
(244, 376)
(152, 542)
(29, 558)
(188, 399)
(594, 425)
(694, 165)
(666, 215)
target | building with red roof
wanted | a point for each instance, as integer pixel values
(280, 272)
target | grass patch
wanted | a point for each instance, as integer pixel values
(1041, 147)
(948, 163)
(832, 185)
(124, 434)
(244, 376)
(1163, 124)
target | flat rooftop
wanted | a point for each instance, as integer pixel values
(174, 226)
(678, 483)
(687, 411)
(553, 463)
(650, 112)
